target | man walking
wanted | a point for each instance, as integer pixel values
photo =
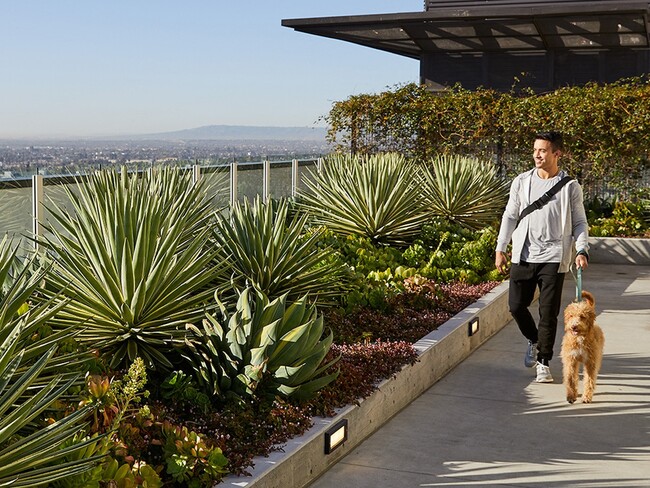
(547, 224)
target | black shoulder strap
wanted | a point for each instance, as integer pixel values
(544, 199)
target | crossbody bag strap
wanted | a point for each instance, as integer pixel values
(544, 199)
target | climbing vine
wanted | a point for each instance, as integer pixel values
(606, 127)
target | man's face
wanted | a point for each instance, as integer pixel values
(545, 158)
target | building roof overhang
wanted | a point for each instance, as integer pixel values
(480, 27)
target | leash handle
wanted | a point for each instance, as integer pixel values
(579, 285)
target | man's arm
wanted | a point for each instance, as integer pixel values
(508, 224)
(580, 226)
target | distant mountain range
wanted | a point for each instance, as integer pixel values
(237, 133)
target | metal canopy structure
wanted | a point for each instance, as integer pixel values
(492, 29)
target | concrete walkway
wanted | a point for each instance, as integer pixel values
(488, 424)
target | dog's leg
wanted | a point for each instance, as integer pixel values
(593, 363)
(590, 373)
(570, 373)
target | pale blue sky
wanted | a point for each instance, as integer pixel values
(84, 68)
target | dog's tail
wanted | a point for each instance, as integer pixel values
(589, 298)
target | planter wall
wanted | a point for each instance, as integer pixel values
(618, 250)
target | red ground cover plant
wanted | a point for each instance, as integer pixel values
(410, 316)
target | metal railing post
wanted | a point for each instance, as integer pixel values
(294, 177)
(38, 209)
(233, 183)
(266, 180)
(196, 173)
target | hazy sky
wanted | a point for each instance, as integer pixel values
(83, 68)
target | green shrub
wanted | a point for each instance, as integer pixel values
(191, 461)
(274, 254)
(444, 251)
(627, 220)
(181, 388)
(32, 382)
(132, 262)
(375, 196)
(464, 190)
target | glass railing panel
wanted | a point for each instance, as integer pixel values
(306, 171)
(280, 179)
(250, 180)
(16, 217)
(217, 181)
(16, 211)
(56, 199)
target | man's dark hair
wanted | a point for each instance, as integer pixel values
(554, 137)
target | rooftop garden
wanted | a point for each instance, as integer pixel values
(154, 342)
(151, 341)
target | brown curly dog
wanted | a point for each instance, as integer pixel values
(583, 342)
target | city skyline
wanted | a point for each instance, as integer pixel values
(104, 69)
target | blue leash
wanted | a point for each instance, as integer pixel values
(579, 285)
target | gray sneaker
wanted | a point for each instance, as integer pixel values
(543, 374)
(530, 359)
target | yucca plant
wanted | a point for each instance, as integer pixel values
(271, 251)
(132, 260)
(375, 196)
(274, 347)
(464, 190)
(35, 457)
(20, 280)
(32, 379)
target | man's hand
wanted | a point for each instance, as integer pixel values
(501, 262)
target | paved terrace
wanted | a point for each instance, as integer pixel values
(486, 423)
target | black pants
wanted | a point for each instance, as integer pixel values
(524, 279)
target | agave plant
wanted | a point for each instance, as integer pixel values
(271, 252)
(30, 384)
(376, 196)
(131, 258)
(464, 190)
(264, 346)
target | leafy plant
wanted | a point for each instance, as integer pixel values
(264, 346)
(374, 196)
(21, 279)
(181, 387)
(128, 476)
(192, 461)
(272, 253)
(464, 190)
(131, 258)
(110, 472)
(30, 459)
(627, 220)
(113, 398)
(444, 251)
(31, 453)
(112, 401)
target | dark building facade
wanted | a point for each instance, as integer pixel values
(543, 44)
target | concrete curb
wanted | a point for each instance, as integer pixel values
(303, 460)
(618, 250)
